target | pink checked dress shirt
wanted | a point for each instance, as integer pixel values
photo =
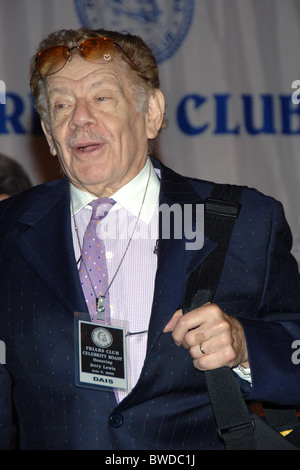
(131, 293)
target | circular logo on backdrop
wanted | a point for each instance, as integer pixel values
(162, 24)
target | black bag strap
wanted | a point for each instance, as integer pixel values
(221, 210)
(234, 422)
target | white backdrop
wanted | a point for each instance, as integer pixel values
(227, 68)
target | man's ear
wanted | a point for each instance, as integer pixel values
(49, 139)
(155, 113)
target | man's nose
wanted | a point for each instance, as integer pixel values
(82, 116)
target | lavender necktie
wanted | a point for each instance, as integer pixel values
(93, 269)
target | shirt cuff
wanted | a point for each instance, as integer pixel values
(243, 372)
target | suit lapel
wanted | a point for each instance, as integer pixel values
(45, 240)
(175, 262)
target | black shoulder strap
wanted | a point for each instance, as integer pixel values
(221, 210)
(233, 419)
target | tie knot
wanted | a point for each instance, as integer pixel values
(101, 207)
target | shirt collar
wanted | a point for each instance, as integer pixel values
(129, 197)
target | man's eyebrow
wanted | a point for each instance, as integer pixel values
(53, 91)
(105, 81)
(97, 84)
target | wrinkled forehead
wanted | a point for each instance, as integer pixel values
(79, 73)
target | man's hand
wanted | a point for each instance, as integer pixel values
(213, 338)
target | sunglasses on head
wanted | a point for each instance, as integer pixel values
(96, 50)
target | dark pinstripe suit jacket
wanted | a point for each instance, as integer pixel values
(169, 407)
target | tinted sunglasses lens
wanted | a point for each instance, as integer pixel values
(98, 50)
(53, 59)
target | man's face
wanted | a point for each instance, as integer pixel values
(95, 128)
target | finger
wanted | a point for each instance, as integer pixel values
(191, 316)
(214, 360)
(188, 327)
(208, 362)
(196, 352)
(172, 323)
(194, 337)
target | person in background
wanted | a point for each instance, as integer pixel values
(13, 178)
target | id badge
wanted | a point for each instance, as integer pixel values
(100, 351)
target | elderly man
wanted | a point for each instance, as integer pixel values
(142, 386)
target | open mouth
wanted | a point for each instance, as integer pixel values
(88, 147)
